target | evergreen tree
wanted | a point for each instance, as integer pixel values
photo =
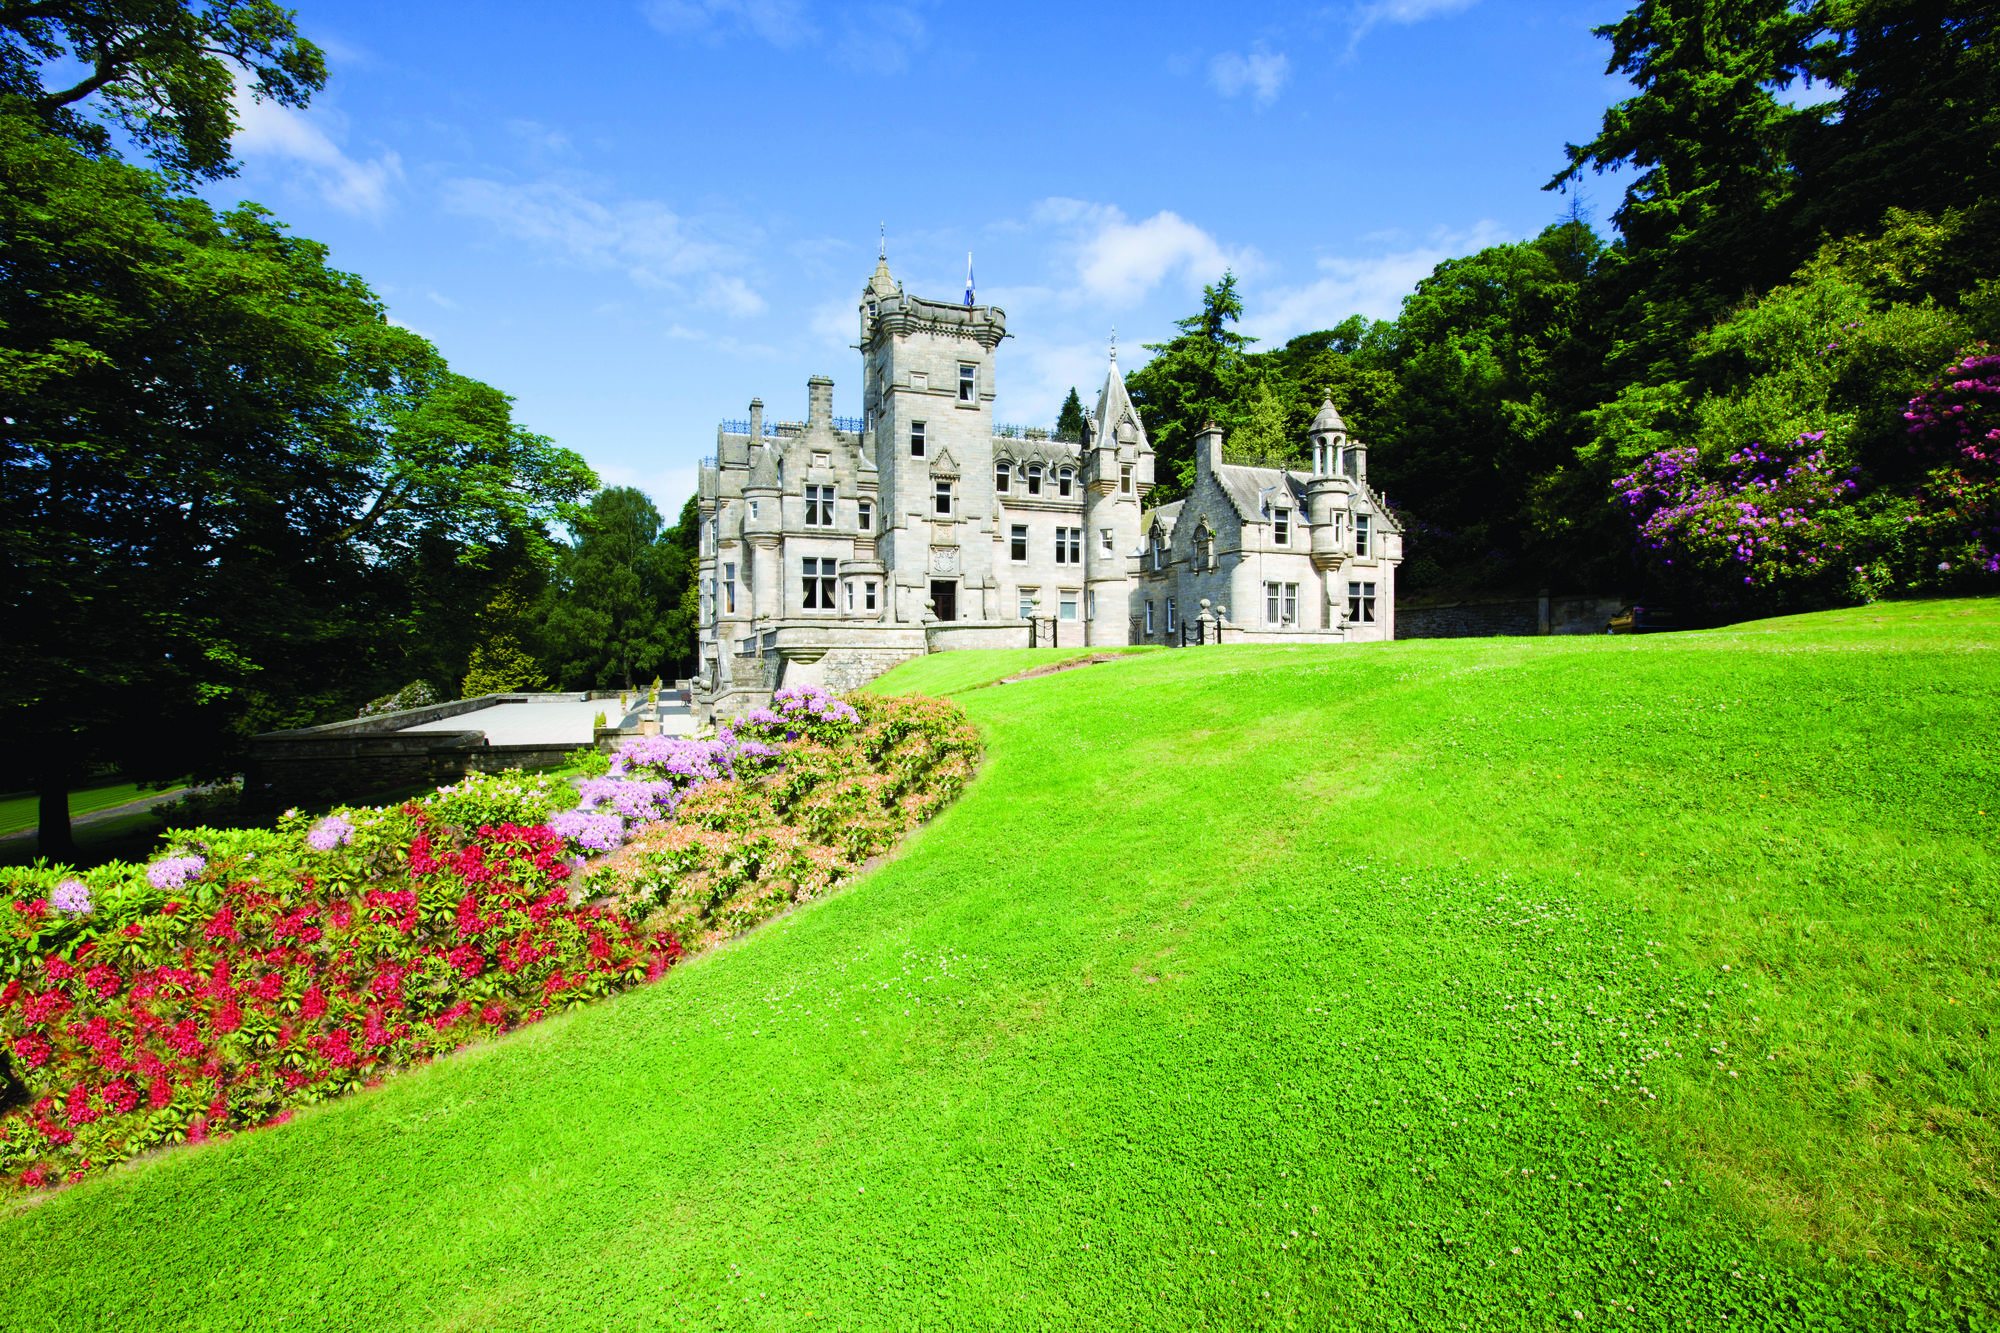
(614, 614)
(1262, 439)
(1070, 422)
(501, 664)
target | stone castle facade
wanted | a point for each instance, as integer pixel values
(834, 548)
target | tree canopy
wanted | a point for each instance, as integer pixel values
(163, 71)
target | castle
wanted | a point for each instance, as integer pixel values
(834, 548)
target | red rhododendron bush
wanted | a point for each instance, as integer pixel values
(248, 972)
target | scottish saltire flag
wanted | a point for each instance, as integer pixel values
(968, 277)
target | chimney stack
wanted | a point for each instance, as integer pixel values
(819, 404)
(1208, 448)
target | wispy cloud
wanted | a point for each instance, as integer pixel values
(1372, 285)
(1377, 13)
(782, 23)
(880, 38)
(653, 244)
(1262, 73)
(1119, 261)
(278, 133)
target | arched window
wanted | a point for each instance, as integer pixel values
(1065, 478)
(1033, 474)
(1002, 473)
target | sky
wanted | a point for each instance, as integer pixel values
(635, 217)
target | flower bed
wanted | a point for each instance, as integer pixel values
(248, 972)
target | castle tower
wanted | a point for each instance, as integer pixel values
(927, 392)
(1117, 474)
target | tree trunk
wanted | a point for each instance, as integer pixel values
(53, 840)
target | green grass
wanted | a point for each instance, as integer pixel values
(1373, 945)
(21, 810)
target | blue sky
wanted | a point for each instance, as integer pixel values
(635, 216)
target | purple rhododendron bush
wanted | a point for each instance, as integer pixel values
(243, 973)
(1796, 524)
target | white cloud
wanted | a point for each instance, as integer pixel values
(1119, 261)
(880, 39)
(1373, 286)
(782, 23)
(1262, 73)
(540, 139)
(269, 130)
(648, 240)
(1376, 13)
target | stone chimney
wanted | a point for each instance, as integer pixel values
(756, 421)
(819, 404)
(1208, 449)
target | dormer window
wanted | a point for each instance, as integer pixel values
(1281, 527)
(1033, 472)
(1002, 473)
(968, 383)
(1064, 480)
(1361, 534)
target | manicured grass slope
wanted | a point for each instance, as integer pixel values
(1223, 946)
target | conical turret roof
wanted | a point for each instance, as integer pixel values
(763, 469)
(1328, 421)
(883, 283)
(1113, 406)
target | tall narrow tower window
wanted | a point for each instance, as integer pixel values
(944, 497)
(864, 515)
(916, 439)
(968, 383)
(1125, 478)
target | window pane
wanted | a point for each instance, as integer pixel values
(1069, 606)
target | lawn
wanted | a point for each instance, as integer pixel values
(1513, 984)
(20, 810)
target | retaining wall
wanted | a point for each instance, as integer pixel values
(1522, 616)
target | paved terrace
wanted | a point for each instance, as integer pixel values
(558, 721)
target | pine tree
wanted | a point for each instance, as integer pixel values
(1070, 421)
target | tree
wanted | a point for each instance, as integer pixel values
(1070, 422)
(1190, 380)
(500, 664)
(161, 70)
(1262, 439)
(1709, 142)
(613, 614)
(217, 455)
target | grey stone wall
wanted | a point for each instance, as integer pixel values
(1523, 617)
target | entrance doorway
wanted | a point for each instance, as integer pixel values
(944, 598)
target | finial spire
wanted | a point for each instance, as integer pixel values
(968, 277)
(882, 245)
(1114, 344)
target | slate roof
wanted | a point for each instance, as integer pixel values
(1249, 487)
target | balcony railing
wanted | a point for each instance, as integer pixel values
(772, 429)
